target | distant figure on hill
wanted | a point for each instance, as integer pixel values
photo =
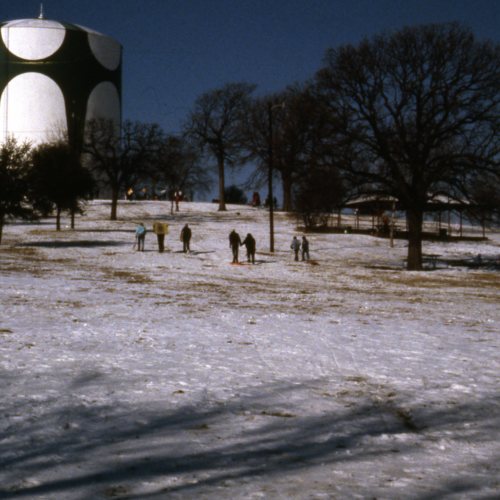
(178, 199)
(268, 202)
(160, 229)
(295, 246)
(186, 238)
(256, 199)
(140, 236)
(305, 248)
(234, 243)
(249, 243)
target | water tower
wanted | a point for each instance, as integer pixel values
(54, 77)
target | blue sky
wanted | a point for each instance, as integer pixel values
(174, 50)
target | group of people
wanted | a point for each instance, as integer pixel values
(161, 230)
(145, 193)
(302, 247)
(235, 242)
(249, 242)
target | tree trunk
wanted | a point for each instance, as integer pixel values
(414, 218)
(1, 229)
(58, 218)
(114, 204)
(72, 218)
(222, 201)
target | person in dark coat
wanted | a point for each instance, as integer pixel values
(256, 199)
(249, 243)
(305, 248)
(186, 238)
(234, 243)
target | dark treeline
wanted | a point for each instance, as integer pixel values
(409, 115)
(36, 181)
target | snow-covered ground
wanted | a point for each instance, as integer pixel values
(146, 376)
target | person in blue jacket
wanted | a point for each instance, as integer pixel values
(140, 236)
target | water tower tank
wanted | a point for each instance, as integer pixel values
(54, 77)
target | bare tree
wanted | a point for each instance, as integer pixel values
(216, 125)
(296, 122)
(317, 193)
(485, 200)
(120, 158)
(420, 109)
(261, 138)
(177, 167)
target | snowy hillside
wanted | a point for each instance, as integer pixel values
(140, 375)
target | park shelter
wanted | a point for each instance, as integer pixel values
(442, 207)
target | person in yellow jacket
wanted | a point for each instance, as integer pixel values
(160, 229)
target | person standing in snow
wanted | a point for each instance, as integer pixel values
(160, 229)
(295, 246)
(249, 243)
(140, 236)
(186, 238)
(234, 243)
(256, 199)
(305, 248)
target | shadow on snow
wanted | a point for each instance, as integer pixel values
(74, 244)
(242, 439)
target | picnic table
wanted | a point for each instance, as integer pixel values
(431, 258)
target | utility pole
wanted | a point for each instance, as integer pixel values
(270, 107)
(270, 178)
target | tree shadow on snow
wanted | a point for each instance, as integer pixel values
(74, 244)
(245, 438)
